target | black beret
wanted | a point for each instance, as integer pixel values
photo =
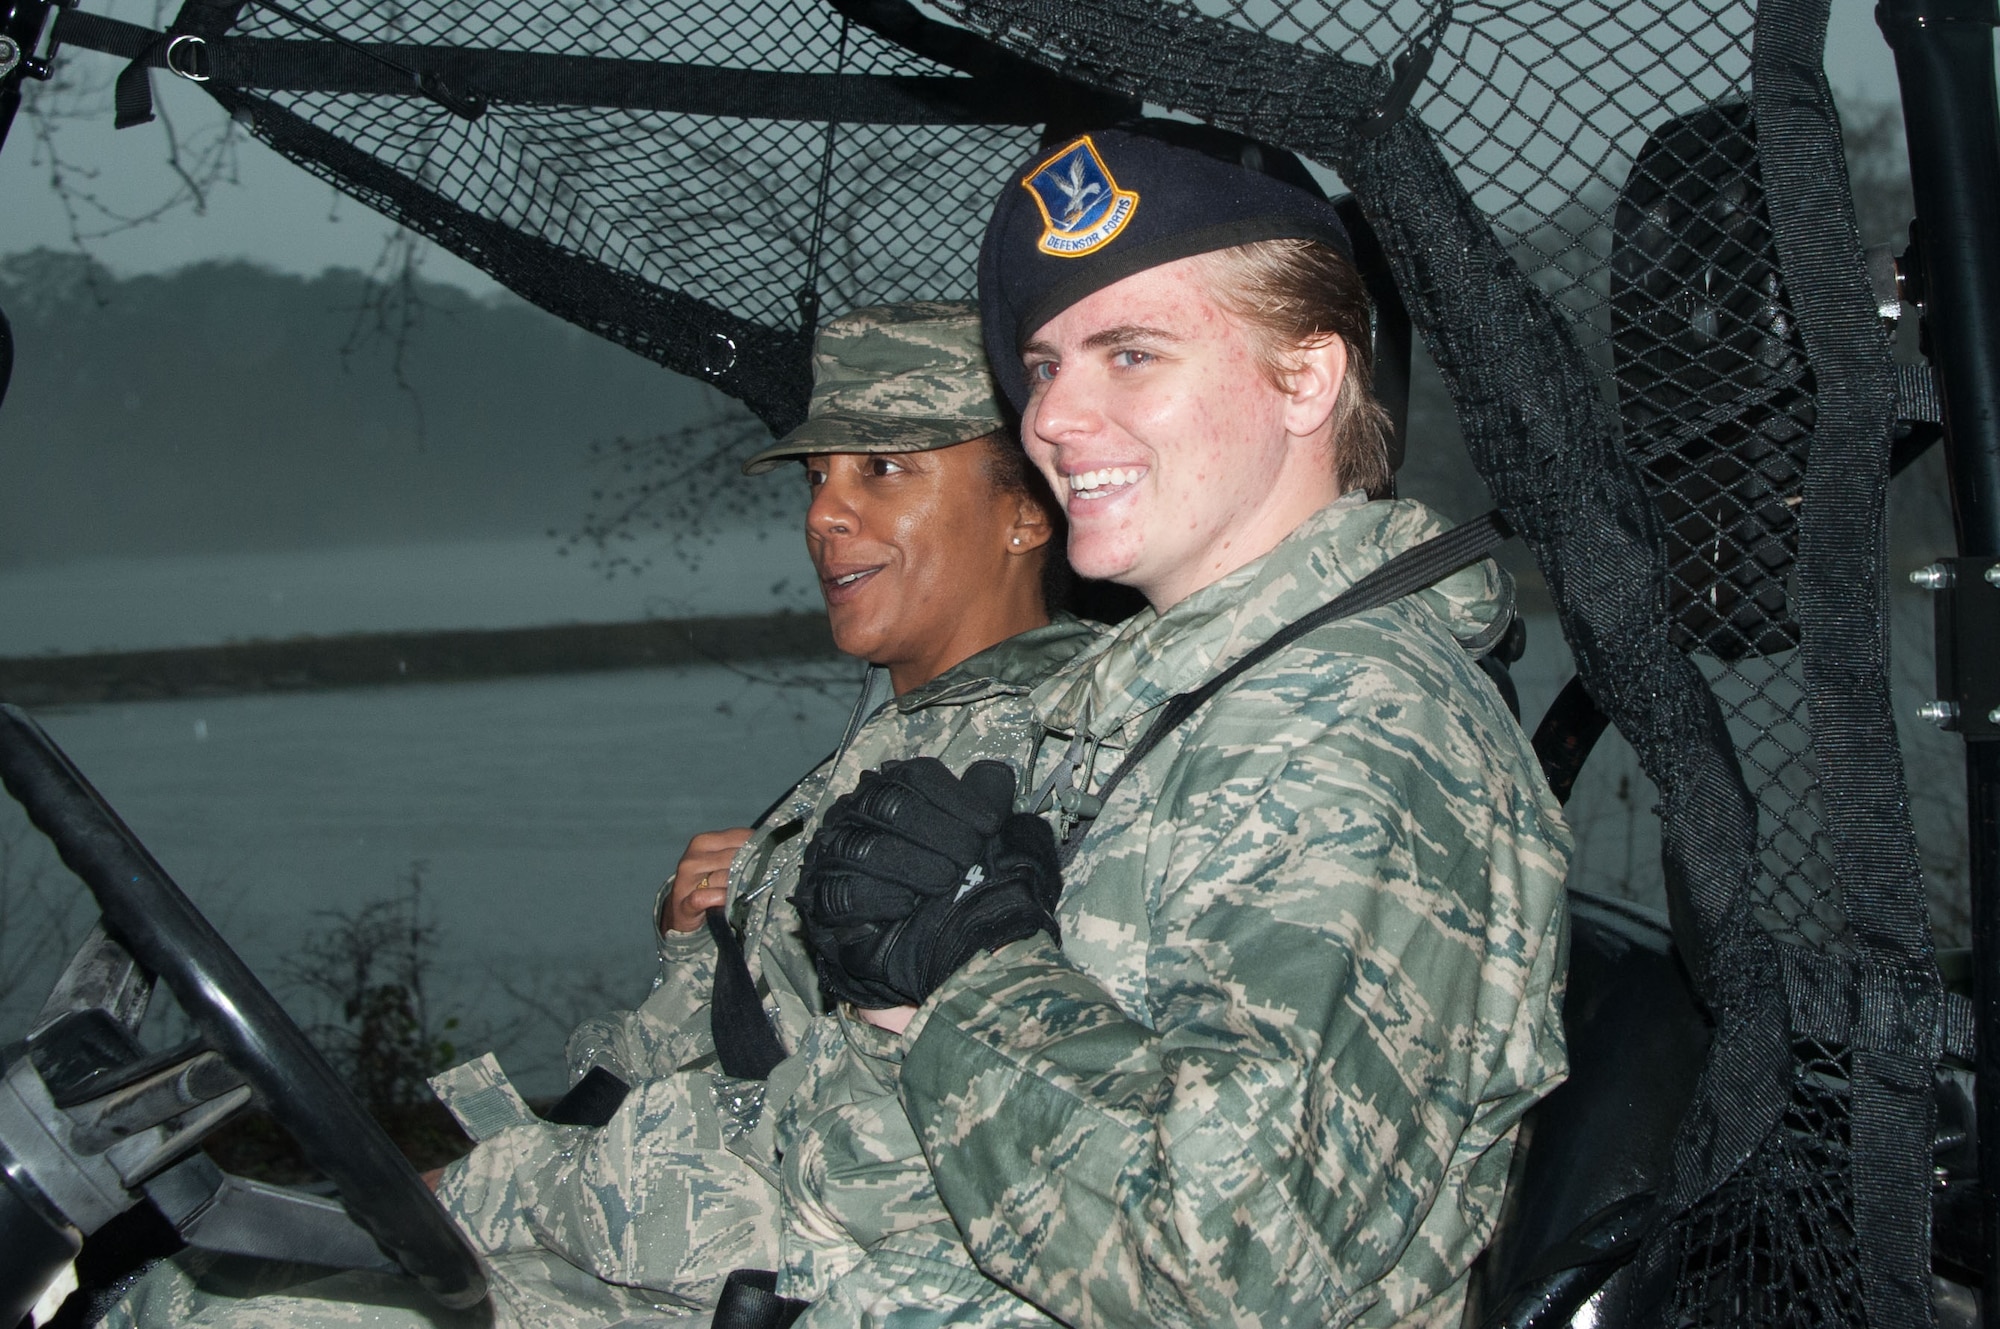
(1113, 202)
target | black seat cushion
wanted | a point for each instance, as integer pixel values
(1637, 1039)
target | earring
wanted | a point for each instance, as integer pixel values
(1017, 539)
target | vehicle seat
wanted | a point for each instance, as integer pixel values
(1593, 1154)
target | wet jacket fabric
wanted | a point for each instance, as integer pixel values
(684, 1183)
(1309, 977)
(975, 709)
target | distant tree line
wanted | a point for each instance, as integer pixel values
(227, 407)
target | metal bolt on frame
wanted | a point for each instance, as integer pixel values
(1938, 576)
(1939, 713)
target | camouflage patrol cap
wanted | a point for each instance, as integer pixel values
(894, 378)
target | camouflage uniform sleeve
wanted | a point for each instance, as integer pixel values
(1346, 1005)
(668, 1029)
(673, 1192)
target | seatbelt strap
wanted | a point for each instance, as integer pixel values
(746, 1042)
(591, 1101)
(750, 1300)
(1415, 569)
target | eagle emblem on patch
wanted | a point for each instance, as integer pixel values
(1083, 208)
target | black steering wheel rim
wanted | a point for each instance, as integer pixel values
(236, 1014)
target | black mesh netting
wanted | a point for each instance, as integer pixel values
(727, 222)
(1621, 227)
(721, 208)
(706, 219)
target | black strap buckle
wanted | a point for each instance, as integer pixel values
(1408, 71)
(1406, 76)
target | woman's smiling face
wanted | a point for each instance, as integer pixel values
(912, 551)
(1159, 429)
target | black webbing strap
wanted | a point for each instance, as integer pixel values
(543, 78)
(132, 95)
(1414, 569)
(1840, 580)
(183, 48)
(745, 1043)
(750, 1300)
(591, 1101)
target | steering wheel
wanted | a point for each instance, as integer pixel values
(236, 1015)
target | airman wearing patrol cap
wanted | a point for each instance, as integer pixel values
(926, 559)
(929, 535)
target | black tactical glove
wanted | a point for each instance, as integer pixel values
(915, 872)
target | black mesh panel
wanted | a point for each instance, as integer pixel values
(734, 213)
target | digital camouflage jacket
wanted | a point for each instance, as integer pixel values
(1309, 977)
(684, 1183)
(637, 1222)
(951, 717)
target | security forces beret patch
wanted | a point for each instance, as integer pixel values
(1100, 207)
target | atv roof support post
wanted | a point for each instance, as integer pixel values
(26, 47)
(1944, 62)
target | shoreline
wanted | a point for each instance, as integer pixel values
(375, 659)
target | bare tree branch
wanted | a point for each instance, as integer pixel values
(369, 970)
(392, 310)
(199, 163)
(683, 486)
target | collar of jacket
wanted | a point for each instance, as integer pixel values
(1013, 666)
(1153, 656)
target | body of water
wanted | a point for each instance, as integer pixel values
(542, 815)
(201, 600)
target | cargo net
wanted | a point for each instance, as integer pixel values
(1607, 145)
(766, 226)
(1611, 148)
(1716, 399)
(1775, 1245)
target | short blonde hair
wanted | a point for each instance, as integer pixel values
(1291, 293)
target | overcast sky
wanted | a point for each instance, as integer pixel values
(280, 216)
